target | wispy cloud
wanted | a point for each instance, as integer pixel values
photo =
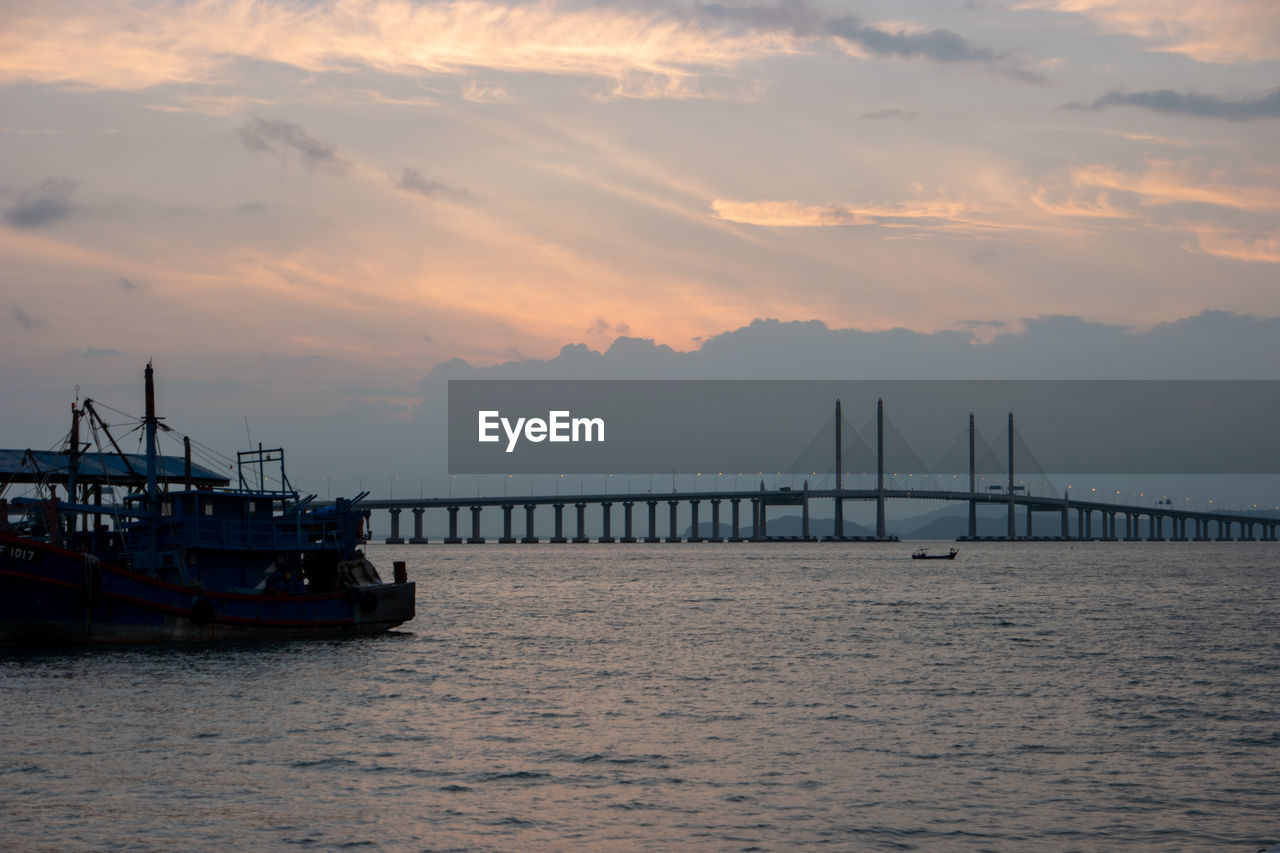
(1241, 247)
(883, 39)
(288, 141)
(880, 115)
(25, 320)
(479, 92)
(1099, 206)
(125, 45)
(412, 181)
(1192, 104)
(42, 205)
(938, 214)
(1166, 182)
(1222, 215)
(644, 51)
(1206, 30)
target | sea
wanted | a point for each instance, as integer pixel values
(686, 697)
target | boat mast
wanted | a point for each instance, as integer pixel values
(73, 464)
(153, 494)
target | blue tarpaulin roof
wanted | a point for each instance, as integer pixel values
(37, 466)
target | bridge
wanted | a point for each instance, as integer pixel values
(1095, 520)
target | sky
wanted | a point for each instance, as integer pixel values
(308, 212)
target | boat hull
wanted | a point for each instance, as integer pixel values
(51, 595)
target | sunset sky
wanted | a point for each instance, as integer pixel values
(298, 198)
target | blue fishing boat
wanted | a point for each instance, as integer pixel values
(185, 555)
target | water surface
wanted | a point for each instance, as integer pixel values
(1083, 696)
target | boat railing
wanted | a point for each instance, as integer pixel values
(278, 533)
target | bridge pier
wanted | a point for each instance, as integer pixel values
(507, 538)
(715, 522)
(1178, 528)
(673, 533)
(1030, 532)
(755, 519)
(764, 519)
(1131, 527)
(1246, 531)
(626, 521)
(395, 538)
(452, 538)
(1269, 532)
(418, 538)
(559, 524)
(736, 533)
(1224, 531)
(804, 513)
(529, 536)
(582, 522)
(606, 510)
(475, 538)
(695, 535)
(653, 522)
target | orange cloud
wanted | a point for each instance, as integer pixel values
(1241, 247)
(1205, 30)
(119, 45)
(1167, 182)
(794, 214)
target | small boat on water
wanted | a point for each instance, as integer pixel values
(923, 554)
(184, 556)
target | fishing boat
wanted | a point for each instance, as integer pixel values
(185, 555)
(923, 554)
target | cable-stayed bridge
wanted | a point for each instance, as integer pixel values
(874, 464)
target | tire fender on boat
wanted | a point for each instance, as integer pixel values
(203, 611)
(92, 576)
(368, 601)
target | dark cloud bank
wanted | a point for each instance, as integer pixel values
(286, 140)
(43, 205)
(806, 20)
(1191, 104)
(1210, 345)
